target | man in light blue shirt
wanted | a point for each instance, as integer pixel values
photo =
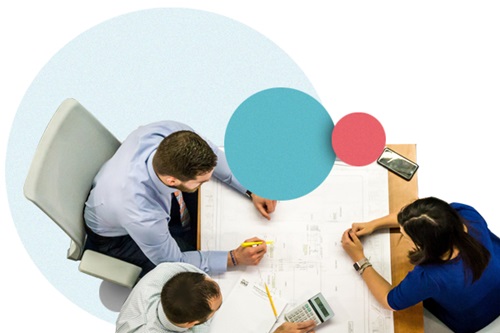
(131, 212)
(158, 302)
(178, 297)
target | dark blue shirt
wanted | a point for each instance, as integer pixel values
(447, 291)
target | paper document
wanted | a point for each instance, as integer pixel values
(306, 255)
(247, 309)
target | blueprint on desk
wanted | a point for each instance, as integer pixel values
(307, 256)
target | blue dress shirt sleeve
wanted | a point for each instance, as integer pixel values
(222, 171)
(154, 239)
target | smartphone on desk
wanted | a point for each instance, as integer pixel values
(397, 163)
(316, 308)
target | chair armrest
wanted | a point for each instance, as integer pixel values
(110, 269)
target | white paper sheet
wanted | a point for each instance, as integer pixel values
(247, 309)
(307, 256)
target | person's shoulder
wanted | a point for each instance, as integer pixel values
(169, 125)
(158, 130)
(461, 206)
(472, 217)
(178, 267)
(466, 211)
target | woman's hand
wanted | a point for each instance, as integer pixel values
(367, 228)
(363, 229)
(352, 245)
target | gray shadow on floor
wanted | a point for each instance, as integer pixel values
(112, 295)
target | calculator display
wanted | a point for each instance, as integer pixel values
(321, 307)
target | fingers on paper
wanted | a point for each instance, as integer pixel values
(358, 229)
(265, 206)
(271, 205)
(263, 211)
(349, 239)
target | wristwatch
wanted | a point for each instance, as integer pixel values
(359, 264)
(249, 194)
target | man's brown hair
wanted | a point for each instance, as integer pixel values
(184, 155)
(186, 297)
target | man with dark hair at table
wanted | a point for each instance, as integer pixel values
(142, 207)
(178, 297)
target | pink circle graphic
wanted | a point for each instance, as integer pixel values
(358, 139)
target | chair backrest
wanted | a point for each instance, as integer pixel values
(70, 153)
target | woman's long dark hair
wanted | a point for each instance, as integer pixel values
(436, 228)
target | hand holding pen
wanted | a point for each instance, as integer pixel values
(247, 244)
(250, 252)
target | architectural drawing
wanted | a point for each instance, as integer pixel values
(307, 256)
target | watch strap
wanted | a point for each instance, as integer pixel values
(357, 265)
(365, 266)
(249, 194)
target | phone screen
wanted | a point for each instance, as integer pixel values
(397, 163)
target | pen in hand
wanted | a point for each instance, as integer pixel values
(248, 244)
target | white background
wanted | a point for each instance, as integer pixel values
(427, 70)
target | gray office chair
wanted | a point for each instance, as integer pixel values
(72, 149)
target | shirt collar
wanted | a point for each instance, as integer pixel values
(167, 323)
(162, 188)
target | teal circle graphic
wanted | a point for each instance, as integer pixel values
(278, 143)
(177, 64)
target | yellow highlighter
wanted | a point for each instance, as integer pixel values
(271, 300)
(247, 244)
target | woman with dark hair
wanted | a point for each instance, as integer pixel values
(456, 258)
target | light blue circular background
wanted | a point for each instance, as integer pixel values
(278, 143)
(180, 64)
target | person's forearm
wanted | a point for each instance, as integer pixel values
(377, 285)
(388, 221)
(223, 173)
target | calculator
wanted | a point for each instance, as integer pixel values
(315, 308)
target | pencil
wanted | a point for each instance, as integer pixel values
(271, 300)
(247, 244)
